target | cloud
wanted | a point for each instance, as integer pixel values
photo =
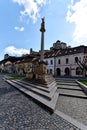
(41, 2)
(31, 8)
(77, 14)
(21, 29)
(15, 51)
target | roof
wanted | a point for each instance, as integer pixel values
(8, 63)
(67, 51)
(21, 59)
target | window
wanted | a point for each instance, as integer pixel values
(59, 61)
(78, 71)
(76, 59)
(67, 60)
(85, 57)
(47, 62)
(50, 71)
(47, 71)
(51, 62)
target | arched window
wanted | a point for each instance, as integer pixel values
(58, 71)
(78, 71)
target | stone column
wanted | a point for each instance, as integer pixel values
(42, 39)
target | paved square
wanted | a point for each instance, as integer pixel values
(19, 112)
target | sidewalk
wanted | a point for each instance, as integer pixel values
(20, 112)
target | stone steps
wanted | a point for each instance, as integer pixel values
(69, 88)
(62, 81)
(52, 85)
(48, 95)
(65, 80)
(66, 83)
(73, 95)
(48, 99)
(46, 85)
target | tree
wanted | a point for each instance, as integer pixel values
(82, 64)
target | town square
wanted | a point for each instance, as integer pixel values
(43, 89)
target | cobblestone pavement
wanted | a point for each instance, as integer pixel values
(19, 112)
(72, 106)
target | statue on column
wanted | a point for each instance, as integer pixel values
(42, 30)
(42, 25)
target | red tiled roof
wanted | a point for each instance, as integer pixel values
(68, 51)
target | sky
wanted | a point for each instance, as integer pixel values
(20, 22)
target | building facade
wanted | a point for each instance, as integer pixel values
(63, 62)
(60, 62)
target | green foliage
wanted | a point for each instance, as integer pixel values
(83, 81)
(16, 76)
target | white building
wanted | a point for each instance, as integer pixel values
(50, 65)
(62, 62)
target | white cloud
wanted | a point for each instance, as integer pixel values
(72, 2)
(21, 29)
(15, 51)
(31, 8)
(40, 2)
(77, 13)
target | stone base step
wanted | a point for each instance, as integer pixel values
(37, 82)
(73, 95)
(52, 85)
(47, 95)
(65, 80)
(69, 87)
(66, 83)
(38, 97)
